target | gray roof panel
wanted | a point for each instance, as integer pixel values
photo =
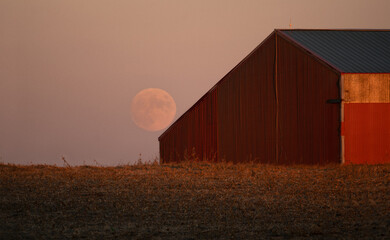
(350, 51)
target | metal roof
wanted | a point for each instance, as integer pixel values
(349, 51)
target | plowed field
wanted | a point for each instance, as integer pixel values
(195, 201)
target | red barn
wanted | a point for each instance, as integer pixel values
(300, 97)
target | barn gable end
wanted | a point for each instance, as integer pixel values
(284, 103)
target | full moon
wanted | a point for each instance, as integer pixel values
(153, 109)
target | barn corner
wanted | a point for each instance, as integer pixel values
(302, 96)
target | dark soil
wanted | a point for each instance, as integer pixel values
(195, 201)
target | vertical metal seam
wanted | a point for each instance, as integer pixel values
(342, 120)
(277, 100)
(215, 100)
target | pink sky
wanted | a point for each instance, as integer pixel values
(69, 69)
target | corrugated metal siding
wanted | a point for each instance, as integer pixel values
(351, 51)
(308, 125)
(366, 100)
(367, 133)
(246, 108)
(240, 109)
(195, 130)
(238, 118)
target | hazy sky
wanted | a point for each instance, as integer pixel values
(69, 69)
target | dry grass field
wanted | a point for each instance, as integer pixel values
(195, 201)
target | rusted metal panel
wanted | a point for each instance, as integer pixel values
(309, 125)
(366, 118)
(367, 133)
(366, 88)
